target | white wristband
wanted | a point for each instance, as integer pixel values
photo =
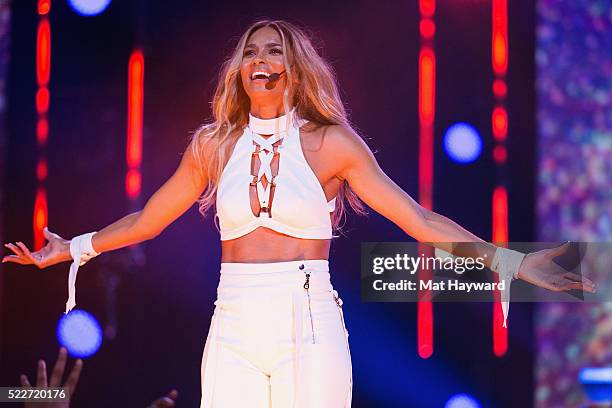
(506, 263)
(81, 250)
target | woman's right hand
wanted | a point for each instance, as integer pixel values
(56, 251)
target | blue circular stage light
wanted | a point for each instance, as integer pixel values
(461, 401)
(462, 143)
(89, 7)
(80, 333)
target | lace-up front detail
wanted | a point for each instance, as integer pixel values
(268, 182)
(265, 150)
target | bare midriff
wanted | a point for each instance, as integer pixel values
(266, 245)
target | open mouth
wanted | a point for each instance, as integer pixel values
(259, 75)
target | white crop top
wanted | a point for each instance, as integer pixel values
(293, 204)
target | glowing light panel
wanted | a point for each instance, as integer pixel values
(462, 401)
(80, 333)
(89, 7)
(462, 143)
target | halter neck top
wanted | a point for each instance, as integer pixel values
(293, 201)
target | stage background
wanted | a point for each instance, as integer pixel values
(163, 307)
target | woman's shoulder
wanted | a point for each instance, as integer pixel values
(207, 141)
(341, 136)
(340, 146)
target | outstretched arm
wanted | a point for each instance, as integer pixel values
(168, 203)
(357, 165)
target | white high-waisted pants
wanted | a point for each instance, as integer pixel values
(277, 339)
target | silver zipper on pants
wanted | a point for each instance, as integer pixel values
(307, 286)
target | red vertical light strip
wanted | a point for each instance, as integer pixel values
(425, 310)
(427, 86)
(41, 170)
(427, 8)
(500, 215)
(40, 217)
(44, 6)
(500, 37)
(134, 124)
(43, 51)
(42, 100)
(42, 131)
(427, 103)
(500, 237)
(499, 123)
(499, 128)
(427, 96)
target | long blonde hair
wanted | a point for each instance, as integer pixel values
(311, 85)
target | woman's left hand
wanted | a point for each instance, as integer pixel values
(539, 269)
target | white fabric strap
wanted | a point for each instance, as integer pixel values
(506, 262)
(81, 250)
(278, 128)
(271, 126)
(265, 154)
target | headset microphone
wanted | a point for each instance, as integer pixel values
(272, 80)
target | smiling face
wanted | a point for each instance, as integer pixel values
(263, 56)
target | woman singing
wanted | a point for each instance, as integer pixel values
(280, 163)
